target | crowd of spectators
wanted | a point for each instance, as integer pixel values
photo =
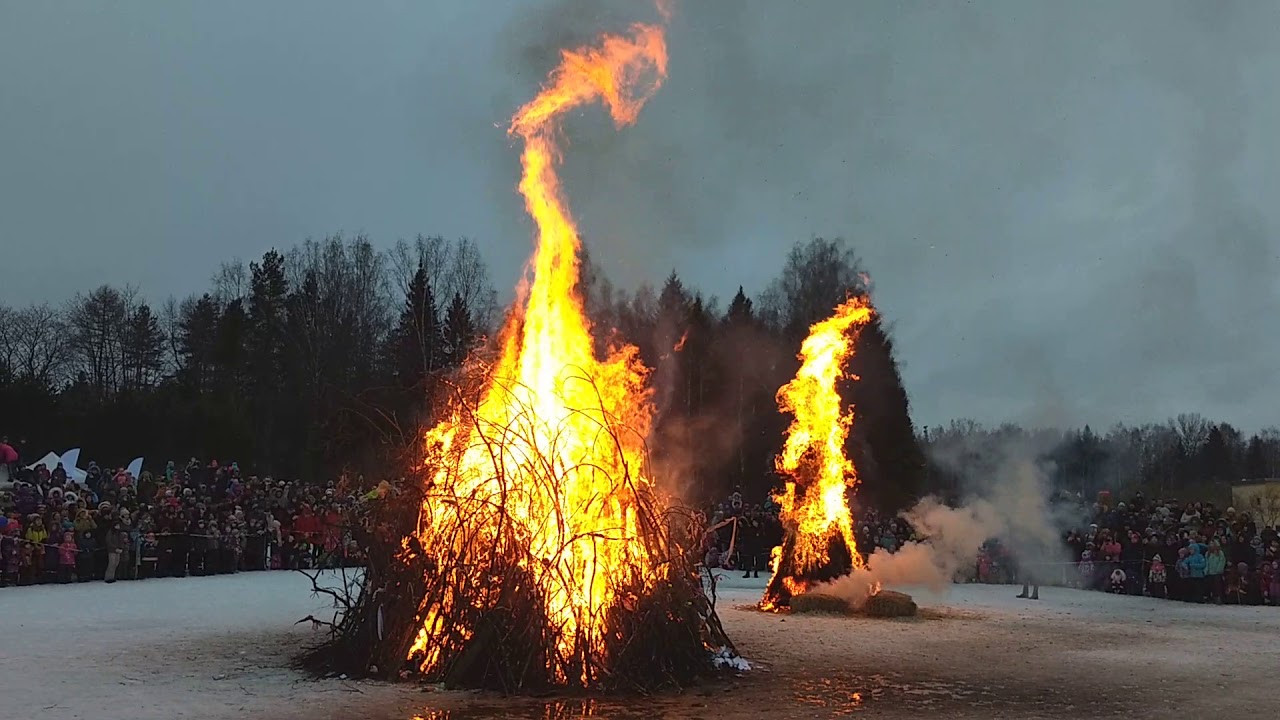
(1193, 552)
(192, 519)
(740, 535)
(207, 518)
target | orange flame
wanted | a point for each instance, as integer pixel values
(557, 434)
(814, 506)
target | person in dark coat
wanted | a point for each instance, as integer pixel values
(750, 538)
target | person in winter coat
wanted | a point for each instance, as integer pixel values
(10, 555)
(115, 541)
(93, 477)
(1117, 582)
(1086, 567)
(1236, 581)
(1215, 564)
(84, 522)
(1196, 567)
(67, 557)
(1180, 581)
(749, 550)
(36, 537)
(88, 547)
(8, 458)
(1131, 563)
(198, 560)
(1157, 577)
(148, 556)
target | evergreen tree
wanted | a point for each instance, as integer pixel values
(459, 332)
(143, 349)
(265, 357)
(816, 277)
(198, 326)
(892, 468)
(1215, 457)
(1255, 459)
(418, 340)
(741, 312)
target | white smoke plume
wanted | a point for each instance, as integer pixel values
(1013, 506)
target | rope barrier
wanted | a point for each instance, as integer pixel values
(320, 534)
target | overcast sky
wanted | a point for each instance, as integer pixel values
(1067, 207)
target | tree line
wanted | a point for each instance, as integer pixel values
(1189, 456)
(332, 354)
(288, 363)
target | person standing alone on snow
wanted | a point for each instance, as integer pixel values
(1028, 579)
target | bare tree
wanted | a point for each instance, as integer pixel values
(453, 268)
(341, 312)
(8, 346)
(1192, 430)
(429, 251)
(39, 347)
(97, 323)
(816, 277)
(468, 278)
(171, 327)
(230, 282)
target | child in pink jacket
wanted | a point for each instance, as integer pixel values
(67, 557)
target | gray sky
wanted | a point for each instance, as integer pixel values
(1063, 205)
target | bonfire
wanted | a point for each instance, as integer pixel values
(818, 542)
(544, 554)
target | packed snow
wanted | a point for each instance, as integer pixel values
(220, 647)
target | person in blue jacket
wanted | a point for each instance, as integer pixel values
(1196, 564)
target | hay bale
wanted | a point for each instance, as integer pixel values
(888, 603)
(819, 603)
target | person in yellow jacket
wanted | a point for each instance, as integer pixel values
(37, 535)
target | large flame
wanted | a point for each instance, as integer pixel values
(814, 506)
(556, 436)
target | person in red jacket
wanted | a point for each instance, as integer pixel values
(306, 529)
(8, 456)
(8, 461)
(67, 557)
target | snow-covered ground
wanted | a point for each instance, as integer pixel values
(212, 648)
(209, 647)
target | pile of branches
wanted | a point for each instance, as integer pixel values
(465, 606)
(788, 574)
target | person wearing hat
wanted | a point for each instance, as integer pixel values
(1157, 577)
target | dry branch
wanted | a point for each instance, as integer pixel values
(476, 584)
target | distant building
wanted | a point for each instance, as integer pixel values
(1260, 497)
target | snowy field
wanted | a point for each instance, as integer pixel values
(219, 647)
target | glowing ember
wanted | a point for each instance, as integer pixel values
(539, 519)
(814, 507)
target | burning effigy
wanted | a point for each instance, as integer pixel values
(544, 553)
(818, 540)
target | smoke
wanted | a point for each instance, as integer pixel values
(1120, 151)
(1010, 501)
